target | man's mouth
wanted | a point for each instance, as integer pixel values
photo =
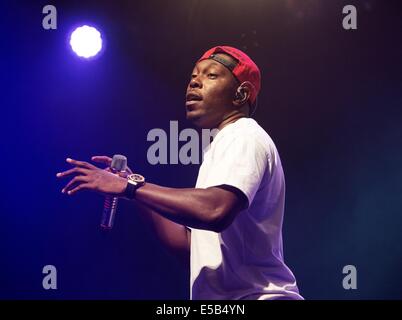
(191, 102)
(191, 96)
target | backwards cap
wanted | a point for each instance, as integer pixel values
(243, 70)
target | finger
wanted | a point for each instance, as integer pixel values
(102, 159)
(71, 171)
(81, 164)
(82, 186)
(73, 182)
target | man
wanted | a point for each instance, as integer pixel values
(230, 225)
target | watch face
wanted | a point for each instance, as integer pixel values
(136, 178)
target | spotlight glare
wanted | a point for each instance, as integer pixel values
(86, 41)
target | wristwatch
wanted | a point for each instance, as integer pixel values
(134, 181)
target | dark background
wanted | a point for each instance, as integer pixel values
(331, 99)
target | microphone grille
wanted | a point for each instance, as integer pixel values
(119, 162)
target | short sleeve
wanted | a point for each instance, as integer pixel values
(241, 162)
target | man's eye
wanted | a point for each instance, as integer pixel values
(212, 75)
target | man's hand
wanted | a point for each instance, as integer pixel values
(108, 161)
(90, 177)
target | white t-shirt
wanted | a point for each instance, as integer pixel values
(245, 261)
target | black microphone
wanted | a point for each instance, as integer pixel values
(119, 164)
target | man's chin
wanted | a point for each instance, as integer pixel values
(194, 118)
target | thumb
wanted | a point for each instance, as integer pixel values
(102, 159)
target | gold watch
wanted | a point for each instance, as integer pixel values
(134, 181)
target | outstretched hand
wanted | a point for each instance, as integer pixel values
(89, 177)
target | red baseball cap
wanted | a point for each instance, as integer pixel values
(244, 70)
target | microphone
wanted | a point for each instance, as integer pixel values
(119, 164)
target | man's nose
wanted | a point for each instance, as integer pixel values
(195, 83)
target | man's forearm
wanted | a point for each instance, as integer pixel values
(198, 208)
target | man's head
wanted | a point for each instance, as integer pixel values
(224, 81)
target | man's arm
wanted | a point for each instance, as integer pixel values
(175, 237)
(155, 211)
(212, 208)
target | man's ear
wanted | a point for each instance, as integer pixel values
(242, 95)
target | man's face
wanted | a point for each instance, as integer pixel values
(210, 93)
